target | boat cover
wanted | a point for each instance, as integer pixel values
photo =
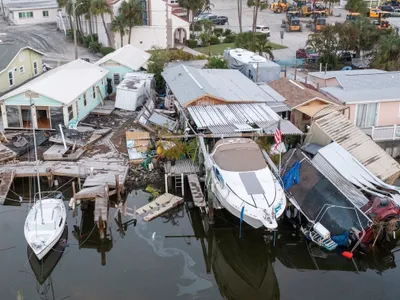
(320, 200)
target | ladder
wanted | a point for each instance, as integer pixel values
(179, 184)
(311, 234)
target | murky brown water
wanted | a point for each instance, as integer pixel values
(174, 258)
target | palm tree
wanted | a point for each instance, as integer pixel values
(132, 10)
(387, 55)
(99, 8)
(257, 5)
(118, 25)
(263, 47)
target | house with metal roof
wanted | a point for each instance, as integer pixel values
(373, 101)
(303, 101)
(335, 127)
(31, 12)
(64, 95)
(124, 60)
(18, 65)
(224, 102)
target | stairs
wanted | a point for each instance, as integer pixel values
(179, 185)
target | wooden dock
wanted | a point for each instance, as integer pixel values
(159, 206)
(183, 166)
(5, 185)
(197, 194)
(58, 152)
(105, 109)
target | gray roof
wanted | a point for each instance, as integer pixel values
(332, 74)
(276, 100)
(188, 84)
(198, 63)
(7, 53)
(19, 5)
(367, 95)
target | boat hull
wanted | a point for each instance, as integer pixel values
(42, 236)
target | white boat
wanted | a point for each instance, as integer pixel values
(46, 219)
(240, 178)
(44, 225)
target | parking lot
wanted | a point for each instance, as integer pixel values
(292, 40)
(45, 38)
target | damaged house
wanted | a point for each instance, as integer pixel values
(222, 103)
(64, 95)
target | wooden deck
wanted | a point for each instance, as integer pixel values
(195, 188)
(159, 206)
(81, 142)
(5, 185)
(184, 166)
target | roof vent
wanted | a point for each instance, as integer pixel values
(239, 50)
(257, 57)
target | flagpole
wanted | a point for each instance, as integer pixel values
(280, 159)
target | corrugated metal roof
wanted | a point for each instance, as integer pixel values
(21, 5)
(198, 63)
(128, 56)
(357, 143)
(237, 118)
(65, 83)
(332, 74)
(360, 96)
(188, 84)
(341, 183)
(382, 81)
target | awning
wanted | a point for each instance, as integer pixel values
(311, 109)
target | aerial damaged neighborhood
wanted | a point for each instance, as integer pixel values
(244, 148)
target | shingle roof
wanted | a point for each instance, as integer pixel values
(128, 56)
(342, 131)
(8, 51)
(188, 84)
(296, 93)
(63, 84)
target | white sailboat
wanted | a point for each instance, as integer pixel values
(46, 219)
(241, 180)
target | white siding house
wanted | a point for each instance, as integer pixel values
(31, 12)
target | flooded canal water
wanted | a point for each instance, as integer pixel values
(172, 257)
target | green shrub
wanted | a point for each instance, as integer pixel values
(230, 39)
(94, 46)
(214, 40)
(227, 32)
(191, 43)
(196, 26)
(216, 63)
(192, 36)
(179, 54)
(218, 30)
(106, 50)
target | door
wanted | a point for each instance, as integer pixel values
(367, 115)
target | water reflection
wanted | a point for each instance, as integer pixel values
(43, 268)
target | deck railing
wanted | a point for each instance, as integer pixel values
(383, 133)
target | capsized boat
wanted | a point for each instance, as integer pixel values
(241, 180)
(45, 224)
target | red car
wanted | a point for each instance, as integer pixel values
(307, 54)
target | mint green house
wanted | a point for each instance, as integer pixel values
(124, 60)
(64, 95)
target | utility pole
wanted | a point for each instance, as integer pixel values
(74, 7)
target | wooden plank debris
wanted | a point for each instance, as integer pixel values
(6, 153)
(183, 166)
(137, 143)
(159, 206)
(5, 185)
(104, 110)
(81, 142)
(195, 188)
(101, 209)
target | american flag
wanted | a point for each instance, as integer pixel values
(278, 135)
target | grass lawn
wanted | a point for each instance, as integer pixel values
(219, 49)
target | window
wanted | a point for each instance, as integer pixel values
(21, 70)
(366, 115)
(94, 92)
(45, 13)
(70, 113)
(35, 68)
(116, 78)
(84, 99)
(25, 15)
(11, 78)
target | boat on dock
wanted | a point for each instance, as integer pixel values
(241, 180)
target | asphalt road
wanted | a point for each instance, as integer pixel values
(45, 38)
(292, 40)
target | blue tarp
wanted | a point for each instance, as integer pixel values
(292, 176)
(342, 240)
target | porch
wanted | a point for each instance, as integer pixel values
(383, 133)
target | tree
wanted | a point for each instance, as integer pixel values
(359, 6)
(207, 33)
(387, 55)
(240, 12)
(192, 6)
(257, 6)
(156, 64)
(263, 47)
(216, 63)
(99, 8)
(132, 10)
(118, 25)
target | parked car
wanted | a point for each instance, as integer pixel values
(308, 54)
(387, 8)
(221, 20)
(201, 16)
(263, 29)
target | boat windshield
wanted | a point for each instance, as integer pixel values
(239, 157)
